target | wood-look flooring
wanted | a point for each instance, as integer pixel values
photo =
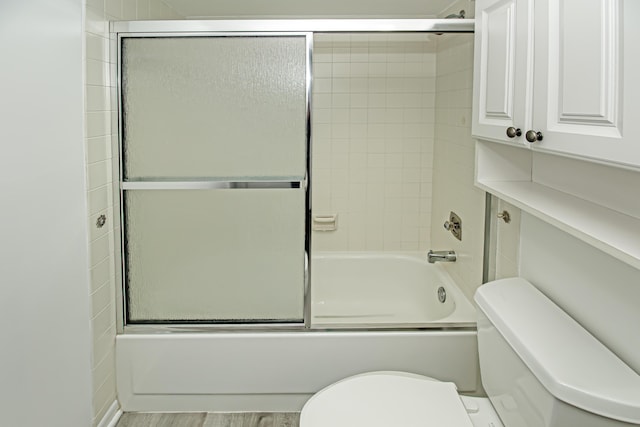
(203, 419)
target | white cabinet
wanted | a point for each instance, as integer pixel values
(567, 69)
(570, 70)
(503, 66)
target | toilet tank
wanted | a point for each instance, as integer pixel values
(540, 368)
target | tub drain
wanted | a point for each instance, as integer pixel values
(442, 294)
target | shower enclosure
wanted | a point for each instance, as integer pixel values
(237, 140)
(216, 166)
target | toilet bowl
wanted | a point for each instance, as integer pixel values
(395, 399)
(533, 378)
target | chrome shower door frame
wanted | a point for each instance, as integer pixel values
(243, 27)
(121, 186)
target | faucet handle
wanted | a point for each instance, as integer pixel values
(452, 226)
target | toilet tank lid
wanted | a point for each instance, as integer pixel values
(567, 360)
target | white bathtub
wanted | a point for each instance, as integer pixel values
(279, 371)
(374, 289)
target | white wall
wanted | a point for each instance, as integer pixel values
(45, 372)
(598, 291)
(504, 241)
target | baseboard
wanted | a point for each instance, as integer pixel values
(112, 416)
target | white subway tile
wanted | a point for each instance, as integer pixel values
(104, 367)
(98, 124)
(97, 98)
(98, 149)
(322, 54)
(96, 22)
(340, 115)
(321, 116)
(393, 175)
(103, 397)
(159, 10)
(341, 69)
(358, 130)
(320, 130)
(377, 53)
(377, 70)
(101, 298)
(376, 176)
(99, 250)
(377, 85)
(113, 8)
(341, 85)
(340, 160)
(376, 130)
(322, 85)
(129, 10)
(322, 70)
(97, 72)
(341, 130)
(96, 47)
(341, 54)
(143, 9)
(359, 68)
(359, 115)
(321, 100)
(99, 199)
(358, 100)
(376, 145)
(358, 85)
(101, 274)
(340, 100)
(99, 174)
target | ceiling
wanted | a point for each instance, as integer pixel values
(311, 8)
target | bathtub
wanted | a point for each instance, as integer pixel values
(231, 371)
(369, 289)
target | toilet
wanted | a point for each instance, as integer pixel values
(539, 367)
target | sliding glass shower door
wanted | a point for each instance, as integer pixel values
(214, 141)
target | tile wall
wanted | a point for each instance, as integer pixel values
(454, 154)
(101, 138)
(373, 126)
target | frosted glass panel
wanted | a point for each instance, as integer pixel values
(217, 255)
(226, 107)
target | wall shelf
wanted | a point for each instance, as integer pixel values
(601, 216)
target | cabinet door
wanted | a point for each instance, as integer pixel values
(587, 92)
(502, 69)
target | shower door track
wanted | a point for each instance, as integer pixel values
(251, 27)
(297, 25)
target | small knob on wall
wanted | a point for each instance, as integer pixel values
(504, 215)
(513, 132)
(533, 136)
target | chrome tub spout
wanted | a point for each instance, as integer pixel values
(441, 256)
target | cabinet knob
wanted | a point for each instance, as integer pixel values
(533, 136)
(513, 132)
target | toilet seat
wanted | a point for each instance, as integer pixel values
(383, 399)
